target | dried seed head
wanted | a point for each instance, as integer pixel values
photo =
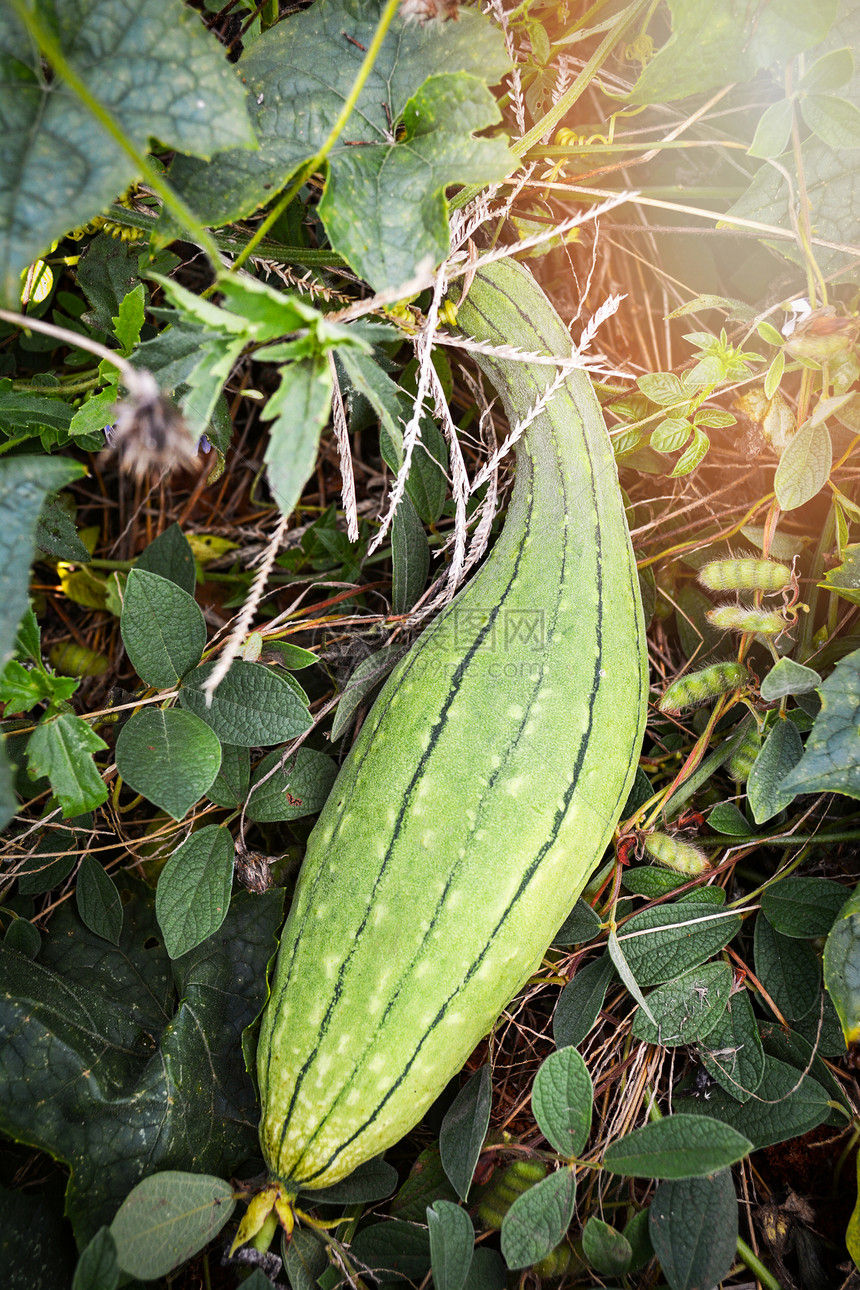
(149, 432)
(699, 687)
(424, 11)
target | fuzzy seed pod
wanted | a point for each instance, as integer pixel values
(506, 1187)
(743, 759)
(558, 1263)
(747, 573)
(672, 853)
(70, 659)
(740, 618)
(699, 687)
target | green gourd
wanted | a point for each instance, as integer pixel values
(479, 796)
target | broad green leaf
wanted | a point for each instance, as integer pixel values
(62, 748)
(766, 787)
(464, 1129)
(679, 1146)
(693, 1224)
(561, 1101)
(98, 1268)
(166, 1219)
(787, 677)
(581, 924)
(438, 148)
(169, 555)
(306, 1259)
(828, 72)
(732, 1053)
(835, 120)
(773, 132)
(158, 75)
(169, 756)
(384, 205)
(661, 943)
(129, 318)
(652, 882)
(23, 937)
(452, 1239)
(193, 891)
(230, 786)
(787, 968)
(725, 818)
(711, 44)
(693, 454)
(394, 1250)
(842, 966)
(822, 1028)
(785, 1105)
(98, 900)
(486, 1271)
(252, 705)
(292, 657)
(298, 411)
(687, 1007)
(372, 1181)
(24, 481)
(805, 1057)
(141, 1068)
(662, 388)
(163, 629)
(804, 907)
(29, 414)
(22, 688)
(637, 1237)
(832, 185)
(580, 1002)
(426, 1183)
(538, 1219)
(410, 555)
(671, 434)
(804, 466)
(605, 1248)
(831, 759)
(299, 787)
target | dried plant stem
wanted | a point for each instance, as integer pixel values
(243, 620)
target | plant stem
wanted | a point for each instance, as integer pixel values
(756, 1267)
(334, 134)
(45, 41)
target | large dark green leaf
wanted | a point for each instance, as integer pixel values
(712, 44)
(785, 1105)
(155, 70)
(831, 759)
(115, 1099)
(384, 206)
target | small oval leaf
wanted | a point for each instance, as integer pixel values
(166, 1219)
(561, 1101)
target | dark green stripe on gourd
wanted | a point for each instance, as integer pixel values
(478, 797)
